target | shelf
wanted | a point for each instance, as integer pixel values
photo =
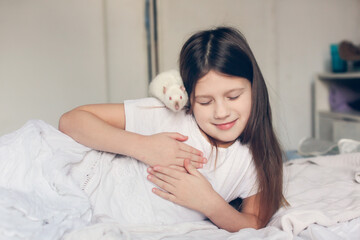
(349, 116)
(339, 76)
(330, 125)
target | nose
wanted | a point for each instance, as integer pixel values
(222, 110)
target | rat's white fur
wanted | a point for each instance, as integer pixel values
(168, 87)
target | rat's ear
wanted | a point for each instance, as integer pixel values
(164, 90)
(182, 88)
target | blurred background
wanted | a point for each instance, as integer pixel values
(56, 55)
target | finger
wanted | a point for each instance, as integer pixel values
(160, 183)
(179, 161)
(190, 168)
(164, 195)
(195, 164)
(178, 168)
(168, 171)
(192, 157)
(186, 148)
(178, 137)
(166, 178)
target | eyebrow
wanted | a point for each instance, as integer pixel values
(230, 91)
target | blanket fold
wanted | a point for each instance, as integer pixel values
(37, 198)
(320, 190)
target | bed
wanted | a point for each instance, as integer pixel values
(38, 199)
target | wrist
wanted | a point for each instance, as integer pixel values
(212, 204)
(137, 152)
(140, 149)
(130, 147)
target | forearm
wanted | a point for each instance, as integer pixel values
(226, 217)
(102, 127)
(89, 130)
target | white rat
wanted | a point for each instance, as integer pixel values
(169, 88)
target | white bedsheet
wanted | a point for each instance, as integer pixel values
(38, 200)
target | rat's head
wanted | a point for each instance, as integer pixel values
(175, 97)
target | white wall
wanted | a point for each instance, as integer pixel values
(51, 58)
(126, 49)
(290, 39)
(56, 55)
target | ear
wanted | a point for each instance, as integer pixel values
(182, 88)
(164, 90)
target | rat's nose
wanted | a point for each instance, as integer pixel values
(177, 105)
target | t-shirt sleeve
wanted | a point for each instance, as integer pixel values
(142, 115)
(150, 116)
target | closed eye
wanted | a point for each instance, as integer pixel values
(203, 100)
(234, 98)
(204, 103)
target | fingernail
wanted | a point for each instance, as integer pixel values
(149, 177)
(204, 160)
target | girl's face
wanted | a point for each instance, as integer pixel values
(221, 106)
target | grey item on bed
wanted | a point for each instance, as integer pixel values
(317, 147)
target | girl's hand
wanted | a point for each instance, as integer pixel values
(167, 149)
(189, 189)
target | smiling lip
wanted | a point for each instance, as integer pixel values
(226, 126)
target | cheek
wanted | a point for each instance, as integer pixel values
(200, 115)
(245, 106)
(246, 113)
(246, 110)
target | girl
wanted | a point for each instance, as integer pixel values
(231, 150)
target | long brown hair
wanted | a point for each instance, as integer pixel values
(225, 50)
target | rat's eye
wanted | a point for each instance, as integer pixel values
(170, 98)
(180, 97)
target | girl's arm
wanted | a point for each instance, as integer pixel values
(102, 127)
(226, 217)
(192, 190)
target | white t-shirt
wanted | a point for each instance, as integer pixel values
(119, 189)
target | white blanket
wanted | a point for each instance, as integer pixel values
(38, 199)
(323, 190)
